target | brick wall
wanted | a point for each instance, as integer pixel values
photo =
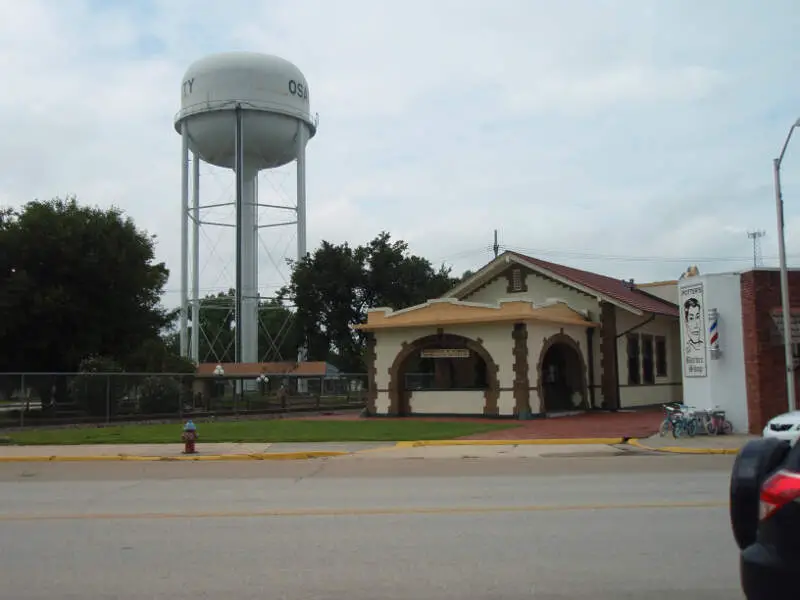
(609, 379)
(765, 371)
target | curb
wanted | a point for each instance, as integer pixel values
(209, 457)
(535, 442)
(681, 450)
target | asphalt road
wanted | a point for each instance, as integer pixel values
(599, 528)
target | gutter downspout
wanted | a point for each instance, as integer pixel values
(650, 319)
(590, 352)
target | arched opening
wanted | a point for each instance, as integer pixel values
(440, 367)
(562, 376)
(442, 363)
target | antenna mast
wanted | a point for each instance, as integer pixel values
(756, 237)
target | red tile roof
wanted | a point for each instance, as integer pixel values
(310, 368)
(615, 289)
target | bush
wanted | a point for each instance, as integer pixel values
(160, 395)
(96, 389)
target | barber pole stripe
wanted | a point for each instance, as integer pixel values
(713, 331)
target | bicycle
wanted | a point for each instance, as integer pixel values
(671, 413)
(687, 422)
(717, 423)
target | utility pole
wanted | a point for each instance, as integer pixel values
(496, 246)
(756, 237)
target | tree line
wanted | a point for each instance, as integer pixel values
(80, 288)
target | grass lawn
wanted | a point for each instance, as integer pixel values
(274, 430)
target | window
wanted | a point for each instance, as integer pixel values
(634, 366)
(661, 356)
(648, 370)
(516, 280)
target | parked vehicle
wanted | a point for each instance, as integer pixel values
(765, 518)
(784, 427)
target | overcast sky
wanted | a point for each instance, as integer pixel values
(629, 137)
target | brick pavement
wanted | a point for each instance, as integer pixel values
(587, 425)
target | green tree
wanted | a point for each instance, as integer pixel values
(75, 282)
(334, 287)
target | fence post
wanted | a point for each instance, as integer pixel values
(108, 398)
(24, 402)
(237, 388)
(181, 395)
(319, 392)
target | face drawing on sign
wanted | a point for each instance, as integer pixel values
(693, 320)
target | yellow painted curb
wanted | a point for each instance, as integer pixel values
(537, 442)
(681, 450)
(183, 457)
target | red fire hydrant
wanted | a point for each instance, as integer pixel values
(189, 437)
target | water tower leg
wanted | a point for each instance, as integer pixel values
(250, 271)
(302, 249)
(302, 140)
(184, 310)
(195, 258)
(240, 175)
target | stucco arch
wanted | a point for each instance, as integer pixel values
(398, 396)
(573, 346)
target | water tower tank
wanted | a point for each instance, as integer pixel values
(273, 95)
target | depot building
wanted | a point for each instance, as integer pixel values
(523, 338)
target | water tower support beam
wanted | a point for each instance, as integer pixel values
(302, 249)
(302, 140)
(195, 258)
(239, 172)
(249, 318)
(184, 310)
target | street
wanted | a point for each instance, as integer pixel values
(643, 527)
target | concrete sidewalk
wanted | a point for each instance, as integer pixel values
(207, 451)
(298, 451)
(458, 449)
(701, 444)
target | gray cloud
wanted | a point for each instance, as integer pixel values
(616, 136)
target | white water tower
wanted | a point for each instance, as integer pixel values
(247, 112)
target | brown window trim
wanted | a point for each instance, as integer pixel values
(634, 375)
(646, 340)
(661, 359)
(523, 284)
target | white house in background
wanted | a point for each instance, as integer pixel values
(666, 290)
(524, 336)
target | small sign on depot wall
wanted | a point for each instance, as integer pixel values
(444, 353)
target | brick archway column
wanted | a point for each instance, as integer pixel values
(398, 396)
(562, 338)
(522, 393)
(372, 372)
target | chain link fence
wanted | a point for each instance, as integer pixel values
(38, 399)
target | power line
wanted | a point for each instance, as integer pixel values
(619, 257)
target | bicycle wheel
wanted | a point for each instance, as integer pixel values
(664, 428)
(711, 426)
(727, 427)
(677, 429)
(691, 427)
